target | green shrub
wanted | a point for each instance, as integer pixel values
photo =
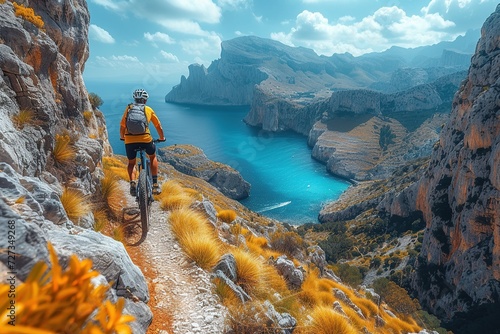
(95, 100)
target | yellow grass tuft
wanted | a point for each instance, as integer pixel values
(248, 270)
(75, 204)
(100, 220)
(24, 117)
(202, 249)
(401, 326)
(175, 201)
(227, 216)
(273, 282)
(368, 307)
(327, 321)
(63, 151)
(111, 192)
(175, 196)
(185, 221)
(172, 187)
(225, 293)
(115, 166)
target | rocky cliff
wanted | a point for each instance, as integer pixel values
(52, 139)
(364, 135)
(192, 161)
(458, 271)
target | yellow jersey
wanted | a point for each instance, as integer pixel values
(142, 138)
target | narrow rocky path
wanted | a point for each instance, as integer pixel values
(181, 289)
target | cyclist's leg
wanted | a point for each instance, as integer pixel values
(151, 152)
(131, 156)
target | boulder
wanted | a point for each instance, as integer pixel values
(293, 276)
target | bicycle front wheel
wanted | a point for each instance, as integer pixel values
(144, 202)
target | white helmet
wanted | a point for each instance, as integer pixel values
(140, 94)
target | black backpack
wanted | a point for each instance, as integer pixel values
(136, 121)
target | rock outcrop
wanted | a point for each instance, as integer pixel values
(192, 161)
(458, 271)
(364, 135)
(44, 107)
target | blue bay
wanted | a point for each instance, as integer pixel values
(287, 184)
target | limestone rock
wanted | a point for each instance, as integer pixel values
(458, 270)
(293, 276)
(192, 161)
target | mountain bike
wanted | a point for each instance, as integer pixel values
(135, 221)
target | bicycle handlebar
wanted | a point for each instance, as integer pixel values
(154, 140)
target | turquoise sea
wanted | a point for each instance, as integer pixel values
(287, 184)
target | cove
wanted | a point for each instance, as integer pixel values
(287, 184)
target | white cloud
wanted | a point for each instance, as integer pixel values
(170, 57)
(158, 37)
(184, 27)
(125, 58)
(111, 5)
(178, 10)
(257, 18)
(101, 35)
(177, 15)
(203, 47)
(466, 14)
(386, 27)
(234, 4)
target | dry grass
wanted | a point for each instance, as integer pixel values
(185, 221)
(227, 216)
(249, 270)
(63, 151)
(75, 204)
(24, 117)
(401, 326)
(100, 220)
(111, 192)
(195, 236)
(177, 201)
(327, 321)
(225, 293)
(202, 249)
(174, 196)
(115, 166)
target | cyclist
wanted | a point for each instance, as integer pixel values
(135, 140)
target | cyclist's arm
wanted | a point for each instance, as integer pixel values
(157, 124)
(123, 124)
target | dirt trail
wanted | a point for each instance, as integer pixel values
(179, 289)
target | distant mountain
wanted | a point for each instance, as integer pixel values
(298, 73)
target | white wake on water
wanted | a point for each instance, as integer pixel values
(275, 206)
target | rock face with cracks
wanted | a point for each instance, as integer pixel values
(43, 99)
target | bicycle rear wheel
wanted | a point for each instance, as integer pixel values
(143, 202)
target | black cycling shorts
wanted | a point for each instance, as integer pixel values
(132, 149)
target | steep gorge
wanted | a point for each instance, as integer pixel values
(458, 270)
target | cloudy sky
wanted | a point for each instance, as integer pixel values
(153, 42)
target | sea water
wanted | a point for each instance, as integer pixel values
(286, 183)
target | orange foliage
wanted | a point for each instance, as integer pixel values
(28, 14)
